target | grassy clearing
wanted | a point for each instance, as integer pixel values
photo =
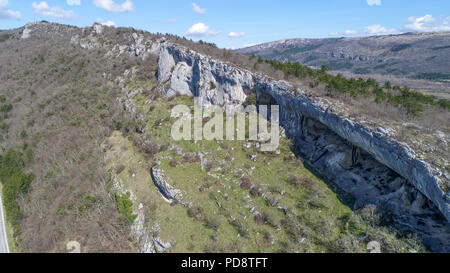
(238, 204)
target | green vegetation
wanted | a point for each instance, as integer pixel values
(226, 192)
(6, 108)
(208, 44)
(15, 182)
(125, 207)
(4, 37)
(410, 100)
(212, 85)
(250, 100)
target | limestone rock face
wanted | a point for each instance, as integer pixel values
(27, 31)
(185, 72)
(98, 29)
(182, 71)
(165, 188)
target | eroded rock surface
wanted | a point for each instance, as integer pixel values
(366, 163)
(165, 188)
(362, 159)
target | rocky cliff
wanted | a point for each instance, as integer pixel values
(361, 160)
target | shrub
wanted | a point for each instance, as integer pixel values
(150, 148)
(293, 180)
(125, 207)
(213, 222)
(370, 214)
(15, 183)
(291, 227)
(260, 219)
(268, 238)
(266, 217)
(209, 166)
(196, 212)
(256, 190)
(245, 183)
(191, 158)
(271, 219)
(224, 146)
(173, 163)
(308, 182)
(250, 100)
(6, 108)
(120, 169)
(23, 134)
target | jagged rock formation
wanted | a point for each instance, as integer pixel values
(367, 163)
(165, 188)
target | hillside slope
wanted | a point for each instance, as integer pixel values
(88, 156)
(420, 56)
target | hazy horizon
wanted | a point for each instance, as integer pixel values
(237, 24)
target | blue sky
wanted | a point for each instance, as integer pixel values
(238, 23)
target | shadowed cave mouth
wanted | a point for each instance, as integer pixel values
(359, 180)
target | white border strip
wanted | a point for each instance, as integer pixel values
(4, 225)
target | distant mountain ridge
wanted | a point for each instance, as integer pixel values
(409, 55)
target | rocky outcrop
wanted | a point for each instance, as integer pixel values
(165, 188)
(137, 47)
(182, 71)
(185, 72)
(364, 161)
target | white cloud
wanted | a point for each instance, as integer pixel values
(378, 30)
(428, 23)
(106, 23)
(236, 34)
(197, 9)
(55, 12)
(111, 6)
(351, 32)
(6, 13)
(171, 20)
(373, 2)
(333, 34)
(74, 2)
(201, 30)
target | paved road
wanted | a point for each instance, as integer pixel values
(3, 239)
